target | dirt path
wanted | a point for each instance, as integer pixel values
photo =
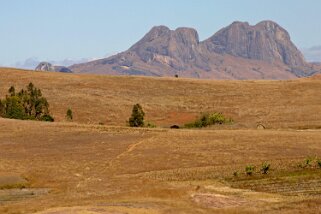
(129, 149)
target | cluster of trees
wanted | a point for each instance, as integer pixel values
(27, 104)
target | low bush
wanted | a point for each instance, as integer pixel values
(235, 173)
(208, 120)
(150, 125)
(47, 118)
(308, 161)
(265, 168)
(249, 170)
(318, 163)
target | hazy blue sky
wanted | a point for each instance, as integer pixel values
(59, 29)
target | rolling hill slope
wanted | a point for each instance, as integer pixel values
(98, 99)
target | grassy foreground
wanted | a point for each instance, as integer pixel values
(105, 169)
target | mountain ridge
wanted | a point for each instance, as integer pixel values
(238, 51)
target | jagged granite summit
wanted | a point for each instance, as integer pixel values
(265, 41)
(239, 51)
(46, 66)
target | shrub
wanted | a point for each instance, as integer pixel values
(69, 115)
(265, 168)
(150, 125)
(235, 173)
(318, 163)
(208, 120)
(137, 117)
(249, 170)
(47, 118)
(308, 161)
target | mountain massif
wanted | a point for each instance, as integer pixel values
(239, 51)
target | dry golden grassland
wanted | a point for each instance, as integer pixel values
(83, 167)
(98, 99)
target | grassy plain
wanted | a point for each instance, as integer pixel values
(83, 167)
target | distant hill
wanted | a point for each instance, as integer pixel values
(46, 66)
(239, 51)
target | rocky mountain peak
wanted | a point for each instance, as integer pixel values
(172, 47)
(156, 32)
(269, 25)
(188, 36)
(265, 41)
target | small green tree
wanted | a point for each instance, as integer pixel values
(137, 117)
(69, 115)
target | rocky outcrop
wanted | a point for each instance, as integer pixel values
(239, 51)
(265, 41)
(46, 66)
